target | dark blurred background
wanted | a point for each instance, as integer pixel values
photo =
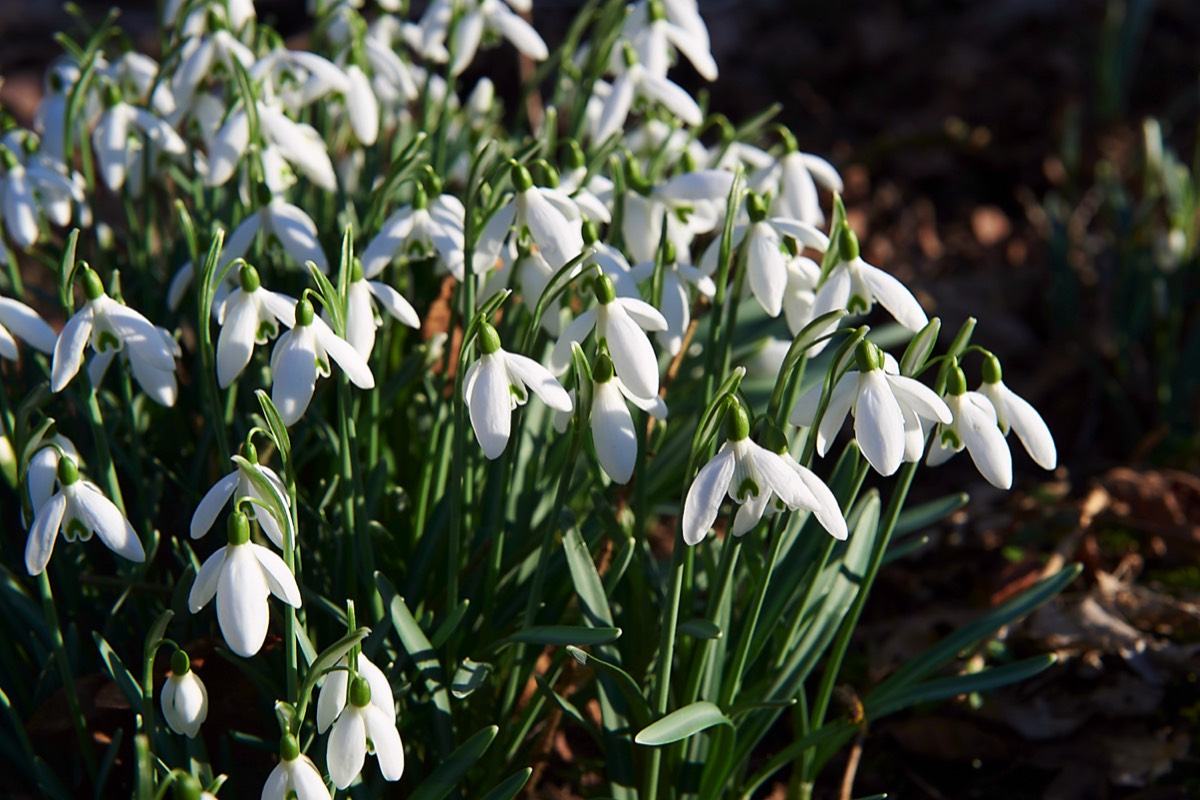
(994, 159)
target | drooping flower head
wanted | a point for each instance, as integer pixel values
(363, 727)
(295, 777)
(184, 697)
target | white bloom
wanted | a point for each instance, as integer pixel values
(751, 476)
(362, 727)
(418, 231)
(295, 777)
(613, 433)
(1015, 413)
(331, 700)
(855, 285)
(361, 319)
(975, 428)
(676, 305)
(619, 321)
(692, 203)
(237, 485)
(198, 57)
(249, 315)
(296, 142)
(637, 80)
(792, 182)
(78, 509)
(18, 318)
(654, 27)
(42, 471)
(303, 353)
(766, 259)
(800, 296)
(110, 326)
(887, 410)
(158, 384)
(118, 151)
(184, 698)
(476, 18)
(499, 382)
(241, 575)
(551, 218)
(32, 188)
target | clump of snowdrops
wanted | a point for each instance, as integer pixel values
(385, 403)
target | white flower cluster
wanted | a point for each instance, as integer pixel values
(372, 136)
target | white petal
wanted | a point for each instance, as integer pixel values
(643, 313)
(802, 232)
(227, 148)
(279, 578)
(557, 237)
(895, 297)
(780, 478)
(976, 424)
(767, 268)
(669, 93)
(297, 233)
(332, 697)
(293, 374)
(490, 408)
(536, 377)
(466, 40)
(923, 400)
(307, 780)
(207, 581)
(827, 512)
(750, 513)
(387, 243)
(347, 748)
(242, 602)
(612, 432)
(100, 515)
(519, 32)
(27, 325)
(68, 350)
(1031, 429)
(277, 784)
(143, 340)
(363, 107)
(212, 503)
(354, 365)
(110, 142)
(42, 534)
(235, 344)
(389, 750)
(632, 354)
(360, 318)
(395, 304)
(879, 423)
(492, 239)
(704, 497)
(615, 109)
(20, 213)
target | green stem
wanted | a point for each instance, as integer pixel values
(666, 655)
(733, 677)
(108, 471)
(459, 485)
(64, 671)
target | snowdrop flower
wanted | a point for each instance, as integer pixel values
(855, 285)
(241, 576)
(288, 224)
(652, 35)
(499, 382)
(234, 13)
(21, 320)
(751, 476)
(110, 326)
(612, 425)
(610, 260)
(237, 485)
(78, 509)
(975, 428)
(111, 140)
(249, 315)
(1013, 412)
(692, 204)
(295, 777)
(622, 323)
(297, 143)
(184, 698)
(418, 231)
(593, 196)
(32, 189)
(800, 296)
(302, 354)
(551, 218)
(359, 728)
(637, 80)
(158, 384)
(198, 58)
(476, 18)
(766, 259)
(887, 411)
(42, 470)
(361, 318)
(676, 300)
(331, 700)
(792, 183)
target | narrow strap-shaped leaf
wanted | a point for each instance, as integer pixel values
(638, 705)
(588, 586)
(116, 670)
(681, 724)
(982, 681)
(510, 787)
(922, 516)
(450, 772)
(563, 635)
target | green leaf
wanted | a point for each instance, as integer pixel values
(330, 298)
(117, 671)
(681, 724)
(793, 751)
(158, 629)
(510, 787)
(563, 635)
(469, 677)
(279, 431)
(269, 492)
(982, 681)
(969, 635)
(327, 660)
(927, 514)
(449, 774)
(701, 628)
(638, 705)
(587, 580)
(567, 707)
(450, 624)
